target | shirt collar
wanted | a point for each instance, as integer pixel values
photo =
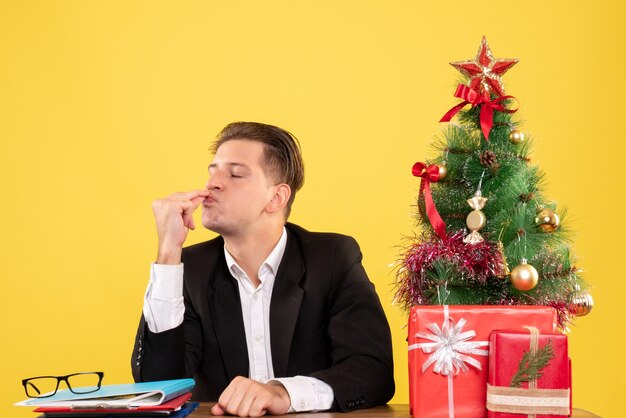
(271, 262)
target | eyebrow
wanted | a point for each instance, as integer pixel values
(213, 165)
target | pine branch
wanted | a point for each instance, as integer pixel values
(531, 365)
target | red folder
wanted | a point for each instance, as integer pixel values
(171, 405)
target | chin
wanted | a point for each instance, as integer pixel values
(214, 225)
(211, 225)
(208, 221)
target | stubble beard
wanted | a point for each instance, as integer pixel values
(212, 222)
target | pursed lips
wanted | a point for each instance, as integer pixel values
(208, 200)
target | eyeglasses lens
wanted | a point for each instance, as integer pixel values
(41, 386)
(83, 382)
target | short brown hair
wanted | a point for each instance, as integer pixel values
(283, 159)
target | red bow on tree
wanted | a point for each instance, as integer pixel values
(428, 174)
(474, 98)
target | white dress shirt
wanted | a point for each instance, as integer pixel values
(164, 309)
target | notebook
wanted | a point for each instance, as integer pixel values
(185, 410)
(166, 408)
(117, 396)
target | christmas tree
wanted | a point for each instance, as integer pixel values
(487, 234)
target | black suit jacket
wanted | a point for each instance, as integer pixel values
(326, 321)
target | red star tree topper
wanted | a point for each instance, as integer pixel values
(484, 70)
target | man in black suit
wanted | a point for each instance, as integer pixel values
(268, 317)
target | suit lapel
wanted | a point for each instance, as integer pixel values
(228, 321)
(285, 306)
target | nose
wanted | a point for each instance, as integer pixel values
(214, 183)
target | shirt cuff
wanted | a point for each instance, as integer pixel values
(163, 306)
(166, 281)
(307, 393)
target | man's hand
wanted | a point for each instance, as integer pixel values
(174, 219)
(248, 398)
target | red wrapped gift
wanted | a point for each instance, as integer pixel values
(529, 374)
(448, 355)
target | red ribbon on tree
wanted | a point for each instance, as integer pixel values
(428, 174)
(471, 96)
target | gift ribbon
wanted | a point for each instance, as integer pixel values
(471, 96)
(531, 401)
(428, 174)
(534, 345)
(528, 401)
(449, 351)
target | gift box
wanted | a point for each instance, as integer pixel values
(448, 355)
(529, 374)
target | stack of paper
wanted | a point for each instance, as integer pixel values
(165, 398)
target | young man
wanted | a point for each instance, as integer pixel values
(268, 317)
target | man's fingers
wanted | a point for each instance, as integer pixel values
(258, 406)
(174, 218)
(226, 396)
(246, 397)
(217, 410)
(189, 207)
(188, 195)
(197, 200)
(188, 216)
(237, 397)
(248, 407)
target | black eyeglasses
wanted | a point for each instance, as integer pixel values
(46, 386)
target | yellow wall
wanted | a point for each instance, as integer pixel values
(105, 106)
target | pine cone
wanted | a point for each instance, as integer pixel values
(526, 197)
(489, 160)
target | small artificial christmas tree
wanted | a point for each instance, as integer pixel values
(481, 210)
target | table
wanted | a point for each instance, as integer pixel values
(387, 411)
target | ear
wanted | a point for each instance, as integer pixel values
(279, 200)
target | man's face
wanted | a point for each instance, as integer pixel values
(240, 189)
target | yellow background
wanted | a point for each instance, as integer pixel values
(105, 106)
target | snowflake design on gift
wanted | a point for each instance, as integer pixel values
(450, 348)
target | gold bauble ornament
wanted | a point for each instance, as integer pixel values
(581, 303)
(443, 171)
(524, 276)
(547, 220)
(516, 137)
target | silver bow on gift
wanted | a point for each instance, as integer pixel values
(450, 347)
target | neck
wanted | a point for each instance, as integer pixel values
(251, 250)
